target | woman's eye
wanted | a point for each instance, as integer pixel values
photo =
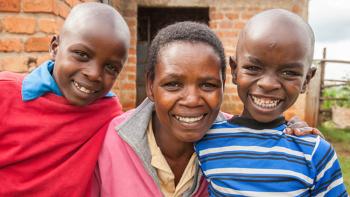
(172, 86)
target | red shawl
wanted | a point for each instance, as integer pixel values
(48, 147)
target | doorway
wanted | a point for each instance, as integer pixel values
(150, 20)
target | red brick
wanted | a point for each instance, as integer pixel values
(247, 16)
(296, 9)
(59, 22)
(89, 0)
(13, 63)
(132, 59)
(254, 9)
(63, 9)
(239, 25)
(132, 51)
(216, 16)
(229, 34)
(47, 25)
(129, 13)
(19, 24)
(38, 5)
(11, 45)
(72, 3)
(232, 16)
(131, 77)
(127, 104)
(10, 5)
(133, 31)
(37, 44)
(133, 42)
(226, 24)
(213, 24)
(129, 86)
(130, 68)
(131, 22)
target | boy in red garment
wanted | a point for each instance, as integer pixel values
(53, 121)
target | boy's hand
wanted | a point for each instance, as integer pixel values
(299, 127)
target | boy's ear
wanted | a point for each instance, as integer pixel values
(54, 46)
(233, 66)
(149, 86)
(310, 74)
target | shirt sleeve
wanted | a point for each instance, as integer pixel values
(329, 179)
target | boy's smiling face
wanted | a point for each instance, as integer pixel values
(88, 59)
(187, 90)
(273, 68)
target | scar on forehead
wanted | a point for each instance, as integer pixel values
(272, 44)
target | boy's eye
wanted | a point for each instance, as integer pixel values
(290, 73)
(209, 86)
(81, 55)
(113, 69)
(172, 86)
(252, 68)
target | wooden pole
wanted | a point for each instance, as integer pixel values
(312, 103)
(323, 68)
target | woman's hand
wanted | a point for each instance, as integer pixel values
(298, 127)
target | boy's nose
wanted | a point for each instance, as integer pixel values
(93, 72)
(268, 83)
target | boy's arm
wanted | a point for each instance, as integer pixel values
(328, 179)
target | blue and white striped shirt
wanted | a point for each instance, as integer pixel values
(240, 161)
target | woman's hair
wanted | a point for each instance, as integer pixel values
(187, 31)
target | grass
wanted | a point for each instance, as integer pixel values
(340, 139)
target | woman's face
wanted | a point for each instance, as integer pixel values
(187, 90)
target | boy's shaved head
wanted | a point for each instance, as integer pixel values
(277, 24)
(92, 16)
(90, 52)
(273, 63)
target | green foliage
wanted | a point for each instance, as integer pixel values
(334, 134)
(336, 92)
(345, 168)
(340, 139)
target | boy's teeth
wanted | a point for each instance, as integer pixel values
(82, 88)
(189, 119)
(265, 102)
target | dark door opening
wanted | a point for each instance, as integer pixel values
(150, 21)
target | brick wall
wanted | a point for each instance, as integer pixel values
(26, 27)
(125, 86)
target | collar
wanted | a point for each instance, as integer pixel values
(40, 81)
(253, 124)
(165, 175)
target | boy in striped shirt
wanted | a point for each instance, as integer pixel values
(249, 155)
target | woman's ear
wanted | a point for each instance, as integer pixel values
(149, 85)
(54, 47)
(233, 66)
(310, 74)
